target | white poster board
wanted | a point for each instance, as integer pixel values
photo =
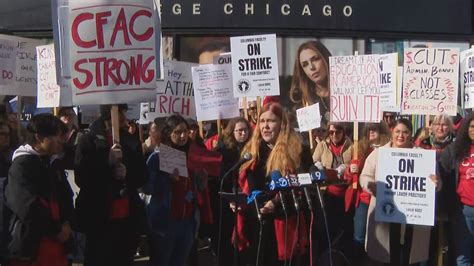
(175, 94)
(467, 77)
(255, 65)
(308, 117)
(112, 53)
(355, 91)
(171, 159)
(25, 73)
(388, 66)
(430, 81)
(7, 62)
(213, 93)
(48, 89)
(405, 193)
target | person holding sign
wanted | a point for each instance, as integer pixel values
(108, 206)
(384, 242)
(335, 152)
(175, 199)
(276, 150)
(310, 82)
(456, 166)
(42, 216)
(374, 136)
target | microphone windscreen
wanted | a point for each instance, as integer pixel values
(247, 156)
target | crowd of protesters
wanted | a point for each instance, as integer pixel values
(40, 218)
(124, 194)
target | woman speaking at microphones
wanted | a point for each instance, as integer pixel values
(276, 149)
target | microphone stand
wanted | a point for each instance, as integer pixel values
(236, 247)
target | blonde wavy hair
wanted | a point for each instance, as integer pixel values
(285, 155)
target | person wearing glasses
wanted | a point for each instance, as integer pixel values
(385, 242)
(175, 199)
(335, 153)
(234, 137)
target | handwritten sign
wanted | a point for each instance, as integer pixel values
(7, 62)
(405, 193)
(430, 81)
(308, 117)
(112, 51)
(213, 92)
(467, 77)
(355, 91)
(48, 89)
(174, 95)
(171, 159)
(25, 72)
(388, 65)
(255, 65)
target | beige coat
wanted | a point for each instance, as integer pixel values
(377, 241)
(324, 155)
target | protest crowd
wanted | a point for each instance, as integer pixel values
(348, 163)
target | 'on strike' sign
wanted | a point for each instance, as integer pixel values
(112, 51)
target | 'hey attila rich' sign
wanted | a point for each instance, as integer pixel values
(112, 51)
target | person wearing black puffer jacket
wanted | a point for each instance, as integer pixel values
(42, 212)
(108, 206)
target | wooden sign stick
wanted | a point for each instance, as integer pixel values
(114, 114)
(246, 112)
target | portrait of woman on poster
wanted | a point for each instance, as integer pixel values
(310, 82)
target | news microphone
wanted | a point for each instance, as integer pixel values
(316, 174)
(245, 158)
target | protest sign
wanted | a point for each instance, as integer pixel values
(255, 65)
(308, 117)
(174, 95)
(112, 53)
(405, 192)
(467, 77)
(388, 66)
(430, 81)
(25, 70)
(213, 93)
(171, 159)
(49, 93)
(355, 91)
(7, 62)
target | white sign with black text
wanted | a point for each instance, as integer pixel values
(405, 192)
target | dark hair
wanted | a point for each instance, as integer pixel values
(170, 124)
(214, 46)
(62, 111)
(406, 123)
(228, 134)
(105, 110)
(45, 125)
(462, 144)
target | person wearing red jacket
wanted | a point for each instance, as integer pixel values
(374, 135)
(275, 147)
